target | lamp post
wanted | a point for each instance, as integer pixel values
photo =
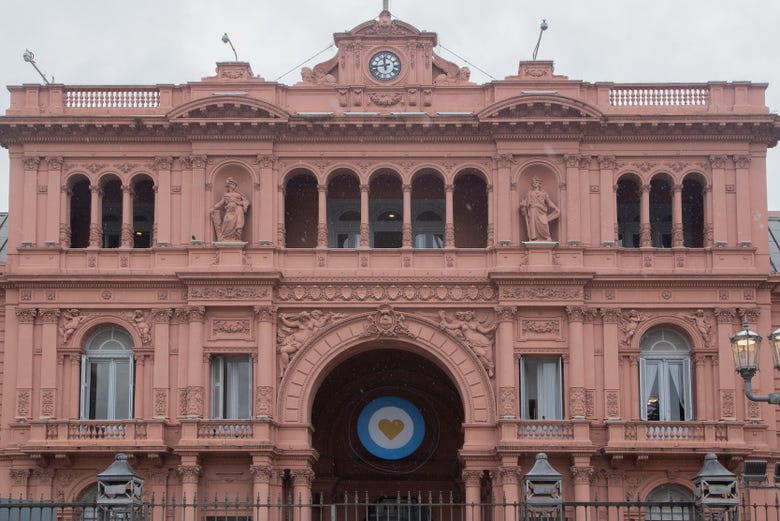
(745, 346)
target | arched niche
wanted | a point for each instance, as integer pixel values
(244, 184)
(549, 182)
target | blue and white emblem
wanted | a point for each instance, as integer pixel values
(390, 427)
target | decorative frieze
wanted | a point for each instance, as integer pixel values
(227, 292)
(350, 292)
(386, 322)
(507, 401)
(540, 292)
(231, 328)
(264, 400)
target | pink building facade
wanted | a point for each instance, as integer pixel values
(384, 277)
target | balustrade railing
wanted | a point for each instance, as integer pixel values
(545, 430)
(649, 96)
(224, 429)
(112, 98)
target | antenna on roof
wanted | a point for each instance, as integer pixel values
(29, 57)
(542, 29)
(226, 39)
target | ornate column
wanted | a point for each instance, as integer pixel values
(573, 200)
(677, 225)
(162, 201)
(582, 472)
(610, 317)
(302, 479)
(198, 199)
(49, 318)
(127, 217)
(577, 362)
(19, 479)
(95, 219)
(505, 360)
(189, 473)
(322, 216)
(53, 201)
(266, 205)
(266, 365)
(365, 230)
(64, 230)
(631, 384)
(727, 378)
(510, 481)
(472, 481)
(280, 218)
(195, 406)
(25, 317)
(701, 397)
(506, 215)
(449, 216)
(491, 215)
(160, 383)
(744, 202)
(29, 199)
(720, 219)
(261, 495)
(406, 227)
(644, 217)
(708, 227)
(608, 211)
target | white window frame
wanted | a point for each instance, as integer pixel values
(226, 386)
(112, 356)
(660, 360)
(550, 405)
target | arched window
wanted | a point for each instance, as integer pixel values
(665, 376)
(107, 375)
(143, 213)
(385, 210)
(301, 207)
(661, 212)
(672, 503)
(693, 213)
(80, 208)
(628, 199)
(470, 210)
(428, 210)
(343, 208)
(111, 213)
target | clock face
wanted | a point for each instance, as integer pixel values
(385, 65)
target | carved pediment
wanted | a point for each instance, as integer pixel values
(228, 107)
(540, 106)
(384, 26)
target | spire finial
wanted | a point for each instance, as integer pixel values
(385, 5)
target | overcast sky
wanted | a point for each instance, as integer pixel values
(96, 42)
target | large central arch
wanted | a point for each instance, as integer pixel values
(328, 348)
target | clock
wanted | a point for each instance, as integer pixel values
(385, 66)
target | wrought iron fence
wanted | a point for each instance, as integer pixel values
(358, 507)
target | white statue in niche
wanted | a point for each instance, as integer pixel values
(228, 214)
(539, 211)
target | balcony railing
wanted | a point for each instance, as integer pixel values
(224, 429)
(112, 98)
(649, 96)
(545, 430)
(653, 434)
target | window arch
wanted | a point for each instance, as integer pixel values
(428, 210)
(661, 212)
(676, 503)
(80, 204)
(628, 215)
(693, 212)
(665, 376)
(470, 210)
(143, 212)
(385, 209)
(111, 212)
(343, 209)
(301, 210)
(107, 375)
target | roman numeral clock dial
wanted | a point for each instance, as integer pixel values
(385, 66)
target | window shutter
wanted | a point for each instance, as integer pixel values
(84, 413)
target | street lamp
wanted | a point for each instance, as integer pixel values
(745, 346)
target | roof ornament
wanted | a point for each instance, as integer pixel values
(542, 29)
(385, 5)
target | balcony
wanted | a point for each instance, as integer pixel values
(655, 437)
(547, 435)
(221, 435)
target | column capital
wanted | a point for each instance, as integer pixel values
(718, 161)
(163, 162)
(510, 475)
(49, 316)
(26, 315)
(302, 477)
(582, 474)
(31, 163)
(471, 477)
(189, 473)
(261, 473)
(506, 313)
(266, 313)
(162, 316)
(54, 163)
(607, 162)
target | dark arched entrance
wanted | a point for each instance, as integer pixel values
(348, 465)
